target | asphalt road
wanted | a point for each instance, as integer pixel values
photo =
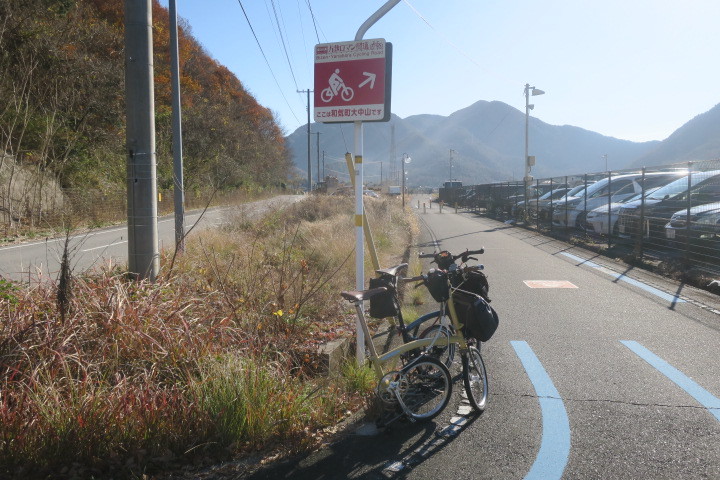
(32, 261)
(613, 376)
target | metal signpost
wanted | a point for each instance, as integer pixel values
(352, 81)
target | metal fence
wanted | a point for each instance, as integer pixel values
(668, 214)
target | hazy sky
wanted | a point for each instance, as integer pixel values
(631, 69)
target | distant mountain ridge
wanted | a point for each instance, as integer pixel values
(697, 140)
(487, 139)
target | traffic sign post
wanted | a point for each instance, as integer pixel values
(352, 81)
(335, 86)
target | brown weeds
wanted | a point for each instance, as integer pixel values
(214, 359)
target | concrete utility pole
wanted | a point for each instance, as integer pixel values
(178, 182)
(317, 151)
(309, 185)
(451, 152)
(143, 253)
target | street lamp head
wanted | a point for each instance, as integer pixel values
(537, 91)
(408, 159)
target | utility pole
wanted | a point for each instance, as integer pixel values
(309, 185)
(143, 252)
(451, 152)
(317, 150)
(178, 182)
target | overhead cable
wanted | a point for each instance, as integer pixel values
(266, 61)
(282, 40)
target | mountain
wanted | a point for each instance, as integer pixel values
(697, 140)
(487, 139)
(63, 103)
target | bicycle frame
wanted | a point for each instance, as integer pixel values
(378, 361)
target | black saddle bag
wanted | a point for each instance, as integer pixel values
(383, 304)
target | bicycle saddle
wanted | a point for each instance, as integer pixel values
(392, 271)
(360, 295)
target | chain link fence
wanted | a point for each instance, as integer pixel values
(666, 215)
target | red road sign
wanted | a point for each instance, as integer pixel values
(351, 80)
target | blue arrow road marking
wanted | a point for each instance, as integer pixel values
(555, 445)
(631, 281)
(705, 398)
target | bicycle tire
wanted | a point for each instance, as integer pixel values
(445, 354)
(426, 388)
(326, 95)
(475, 379)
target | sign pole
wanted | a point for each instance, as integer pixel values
(359, 210)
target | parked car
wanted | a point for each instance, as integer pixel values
(597, 219)
(703, 231)
(701, 188)
(572, 212)
(534, 205)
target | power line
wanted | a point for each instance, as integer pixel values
(266, 60)
(312, 15)
(282, 40)
(302, 31)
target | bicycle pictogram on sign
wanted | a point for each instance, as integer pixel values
(336, 85)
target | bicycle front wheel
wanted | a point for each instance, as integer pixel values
(444, 353)
(475, 379)
(425, 389)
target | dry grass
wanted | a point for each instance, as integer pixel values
(216, 358)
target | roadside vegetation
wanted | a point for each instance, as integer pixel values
(217, 359)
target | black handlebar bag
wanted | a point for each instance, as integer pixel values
(437, 284)
(478, 319)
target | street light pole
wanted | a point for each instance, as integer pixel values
(528, 91)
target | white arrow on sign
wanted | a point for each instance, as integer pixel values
(370, 79)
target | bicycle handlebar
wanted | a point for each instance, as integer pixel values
(445, 258)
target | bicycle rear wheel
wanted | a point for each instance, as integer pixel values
(425, 388)
(475, 379)
(444, 353)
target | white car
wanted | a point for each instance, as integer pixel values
(597, 219)
(572, 212)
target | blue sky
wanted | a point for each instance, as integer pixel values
(631, 69)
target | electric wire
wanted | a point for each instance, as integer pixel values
(302, 32)
(282, 40)
(266, 60)
(312, 15)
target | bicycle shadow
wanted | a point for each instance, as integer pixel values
(391, 454)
